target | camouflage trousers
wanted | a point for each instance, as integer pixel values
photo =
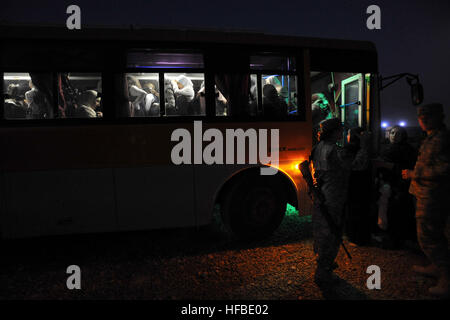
(431, 220)
(326, 244)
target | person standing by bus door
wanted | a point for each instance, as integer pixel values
(332, 168)
(430, 184)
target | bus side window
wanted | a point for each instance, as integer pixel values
(143, 94)
(274, 82)
(28, 95)
(184, 94)
(164, 92)
(79, 95)
(279, 95)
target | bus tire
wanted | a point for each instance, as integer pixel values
(254, 207)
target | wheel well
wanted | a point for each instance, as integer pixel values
(280, 177)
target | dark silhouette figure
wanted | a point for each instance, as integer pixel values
(273, 104)
(401, 225)
(357, 223)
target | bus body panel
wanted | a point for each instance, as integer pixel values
(155, 197)
(62, 180)
(59, 202)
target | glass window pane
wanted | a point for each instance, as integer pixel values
(143, 94)
(253, 95)
(279, 95)
(28, 95)
(152, 59)
(267, 62)
(79, 95)
(336, 95)
(183, 94)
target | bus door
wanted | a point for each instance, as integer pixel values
(352, 91)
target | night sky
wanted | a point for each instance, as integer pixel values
(414, 35)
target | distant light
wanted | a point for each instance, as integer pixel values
(384, 124)
(402, 123)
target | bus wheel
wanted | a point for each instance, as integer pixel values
(254, 207)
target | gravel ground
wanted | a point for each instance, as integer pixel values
(200, 264)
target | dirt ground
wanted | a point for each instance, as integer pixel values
(201, 264)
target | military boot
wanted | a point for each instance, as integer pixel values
(441, 289)
(430, 270)
(325, 276)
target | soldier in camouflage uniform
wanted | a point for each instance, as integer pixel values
(430, 184)
(332, 167)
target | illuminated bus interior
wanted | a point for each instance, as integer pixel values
(269, 89)
(340, 95)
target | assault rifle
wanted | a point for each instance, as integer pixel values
(318, 198)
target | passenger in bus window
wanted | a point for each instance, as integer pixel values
(67, 96)
(87, 104)
(321, 109)
(221, 102)
(183, 86)
(273, 105)
(169, 97)
(136, 94)
(274, 81)
(98, 103)
(151, 88)
(253, 97)
(253, 88)
(36, 102)
(151, 101)
(43, 99)
(14, 106)
(151, 107)
(183, 89)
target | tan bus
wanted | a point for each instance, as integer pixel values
(88, 119)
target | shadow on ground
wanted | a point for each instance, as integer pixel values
(135, 246)
(342, 290)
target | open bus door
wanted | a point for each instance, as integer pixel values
(352, 102)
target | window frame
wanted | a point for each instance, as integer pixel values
(300, 88)
(163, 48)
(161, 73)
(55, 120)
(110, 71)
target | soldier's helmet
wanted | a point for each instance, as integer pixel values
(327, 126)
(430, 109)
